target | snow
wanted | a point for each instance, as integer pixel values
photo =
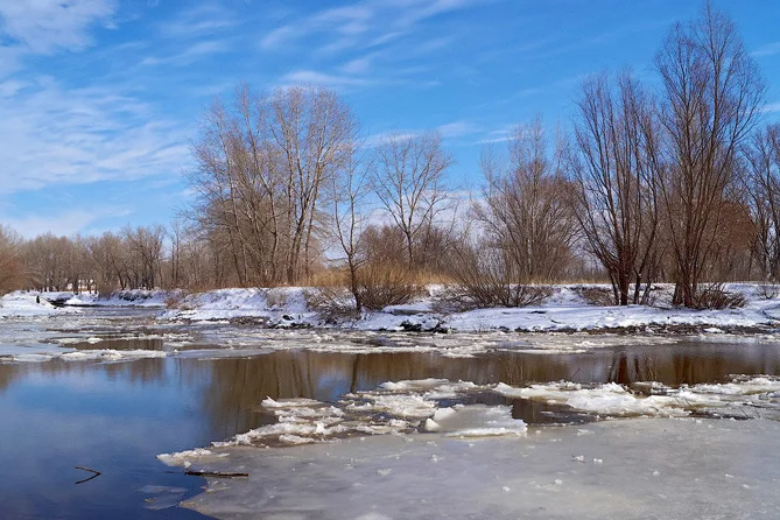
(21, 304)
(630, 469)
(566, 310)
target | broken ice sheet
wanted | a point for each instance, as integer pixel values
(434, 476)
(614, 399)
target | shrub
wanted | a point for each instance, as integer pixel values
(600, 296)
(382, 284)
(484, 280)
(332, 303)
(715, 297)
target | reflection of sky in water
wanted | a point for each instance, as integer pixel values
(100, 417)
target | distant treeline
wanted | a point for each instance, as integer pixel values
(678, 181)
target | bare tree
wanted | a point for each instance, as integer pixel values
(526, 207)
(712, 96)
(261, 166)
(409, 182)
(763, 186)
(348, 192)
(12, 275)
(614, 168)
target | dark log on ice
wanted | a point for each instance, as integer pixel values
(214, 474)
(96, 474)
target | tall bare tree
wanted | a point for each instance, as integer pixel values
(763, 187)
(12, 273)
(261, 166)
(613, 165)
(409, 181)
(526, 206)
(349, 190)
(712, 95)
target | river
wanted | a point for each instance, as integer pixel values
(99, 409)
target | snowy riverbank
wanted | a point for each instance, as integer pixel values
(565, 310)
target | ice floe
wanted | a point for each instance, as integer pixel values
(630, 469)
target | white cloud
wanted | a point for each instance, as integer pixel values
(457, 129)
(770, 49)
(52, 136)
(358, 65)
(191, 54)
(771, 108)
(200, 20)
(44, 26)
(60, 224)
(307, 77)
(378, 20)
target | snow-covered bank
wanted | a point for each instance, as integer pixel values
(565, 310)
(134, 298)
(629, 469)
(21, 304)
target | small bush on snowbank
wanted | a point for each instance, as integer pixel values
(333, 304)
(715, 298)
(381, 285)
(487, 294)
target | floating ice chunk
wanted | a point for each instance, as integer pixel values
(443, 413)
(431, 425)
(414, 385)
(479, 421)
(182, 458)
(112, 355)
(296, 439)
(288, 403)
(407, 406)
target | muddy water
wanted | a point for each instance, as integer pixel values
(115, 417)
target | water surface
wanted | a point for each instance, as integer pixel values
(115, 417)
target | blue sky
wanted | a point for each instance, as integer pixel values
(99, 98)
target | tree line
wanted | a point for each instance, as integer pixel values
(675, 179)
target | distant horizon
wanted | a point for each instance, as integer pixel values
(101, 98)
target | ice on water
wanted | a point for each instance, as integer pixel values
(628, 469)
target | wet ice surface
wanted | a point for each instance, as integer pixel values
(631, 469)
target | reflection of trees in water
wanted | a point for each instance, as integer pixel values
(139, 371)
(8, 374)
(689, 365)
(238, 386)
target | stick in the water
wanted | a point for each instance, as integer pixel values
(214, 474)
(82, 468)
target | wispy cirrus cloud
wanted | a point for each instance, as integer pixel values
(50, 135)
(191, 54)
(311, 77)
(199, 20)
(769, 49)
(62, 223)
(44, 26)
(371, 23)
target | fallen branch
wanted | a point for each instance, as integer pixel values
(214, 474)
(96, 474)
